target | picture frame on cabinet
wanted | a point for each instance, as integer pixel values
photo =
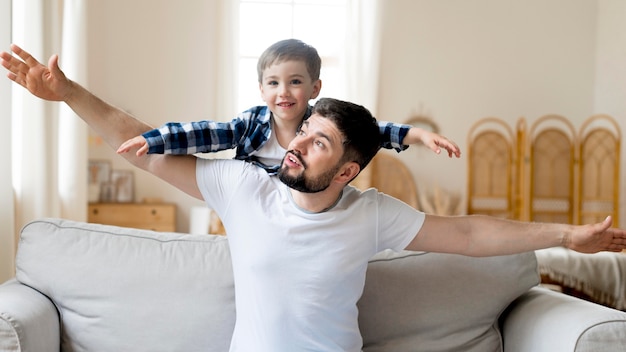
(98, 174)
(99, 171)
(124, 185)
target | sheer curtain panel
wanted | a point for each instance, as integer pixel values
(49, 143)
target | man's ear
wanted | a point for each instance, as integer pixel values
(348, 172)
(317, 87)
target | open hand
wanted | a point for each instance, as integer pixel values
(48, 83)
(597, 237)
(435, 142)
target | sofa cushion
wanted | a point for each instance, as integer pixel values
(440, 302)
(120, 289)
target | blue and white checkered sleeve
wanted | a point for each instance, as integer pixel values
(156, 143)
(191, 137)
(392, 135)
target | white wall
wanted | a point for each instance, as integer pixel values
(459, 61)
(610, 87)
(157, 60)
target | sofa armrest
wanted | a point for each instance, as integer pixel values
(544, 320)
(28, 320)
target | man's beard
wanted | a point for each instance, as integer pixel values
(303, 184)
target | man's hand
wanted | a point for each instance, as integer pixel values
(597, 237)
(135, 142)
(47, 83)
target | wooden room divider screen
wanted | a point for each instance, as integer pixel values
(548, 173)
(599, 169)
(492, 156)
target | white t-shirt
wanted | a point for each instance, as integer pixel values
(271, 153)
(298, 275)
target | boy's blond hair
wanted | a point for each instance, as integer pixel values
(287, 50)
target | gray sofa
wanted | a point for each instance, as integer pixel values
(88, 287)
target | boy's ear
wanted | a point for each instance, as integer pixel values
(262, 93)
(348, 172)
(317, 87)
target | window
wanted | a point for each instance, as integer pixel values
(320, 23)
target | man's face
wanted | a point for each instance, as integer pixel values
(314, 156)
(308, 184)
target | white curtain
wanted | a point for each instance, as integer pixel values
(72, 134)
(49, 144)
(7, 213)
(363, 52)
(228, 59)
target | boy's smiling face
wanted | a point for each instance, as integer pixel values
(286, 88)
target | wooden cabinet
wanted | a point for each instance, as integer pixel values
(149, 216)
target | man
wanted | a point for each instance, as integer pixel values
(300, 241)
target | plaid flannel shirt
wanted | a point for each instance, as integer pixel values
(247, 132)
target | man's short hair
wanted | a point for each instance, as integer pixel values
(357, 125)
(290, 50)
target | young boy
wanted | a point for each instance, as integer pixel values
(288, 73)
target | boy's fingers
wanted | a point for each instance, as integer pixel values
(123, 148)
(143, 150)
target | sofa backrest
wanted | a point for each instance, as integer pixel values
(121, 289)
(440, 302)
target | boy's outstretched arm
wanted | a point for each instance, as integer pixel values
(400, 136)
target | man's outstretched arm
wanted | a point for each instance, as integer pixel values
(50, 83)
(480, 235)
(112, 124)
